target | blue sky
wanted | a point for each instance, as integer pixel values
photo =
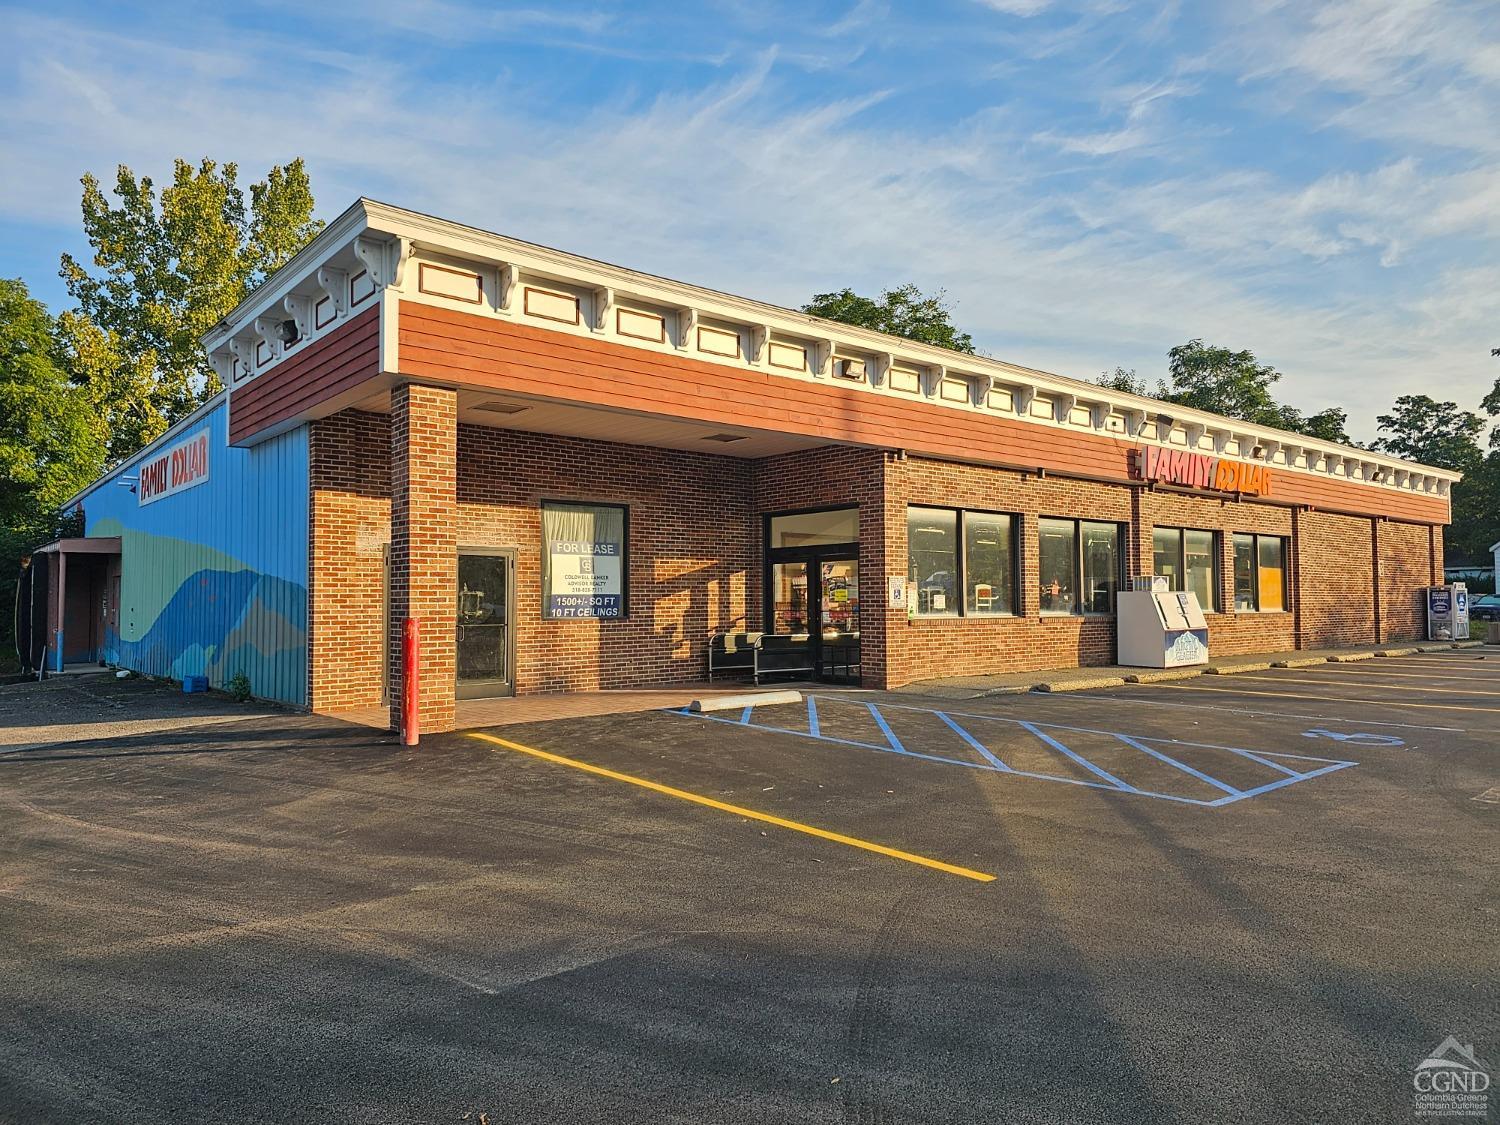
(1092, 182)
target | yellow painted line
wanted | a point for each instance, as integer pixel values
(752, 814)
(1335, 699)
(1381, 686)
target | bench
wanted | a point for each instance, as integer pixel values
(782, 654)
(731, 652)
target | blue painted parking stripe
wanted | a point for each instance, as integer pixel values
(745, 715)
(1080, 759)
(972, 741)
(812, 716)
(885, 729)
(1269, 765)
(1183, 766)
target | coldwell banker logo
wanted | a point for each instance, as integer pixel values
(1451, 1082)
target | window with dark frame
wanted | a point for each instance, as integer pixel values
(1189, 559)
(961, 562)
(1259, 573)
(1079, 565)
(585, 561)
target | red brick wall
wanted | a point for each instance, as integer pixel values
(693, 567)
(1405, 569)
(350, 469)
(424, 545)
(692, 543)
(1335, 580)
(696, 558)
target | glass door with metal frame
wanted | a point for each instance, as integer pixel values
(485, 633)
(812, 593)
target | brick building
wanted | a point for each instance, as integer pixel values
(573, 475)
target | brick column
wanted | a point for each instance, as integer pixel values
(424, 545)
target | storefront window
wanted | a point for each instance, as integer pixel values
(1070, 548)
(1272, 573)
(583, 560)
(1057, 551)
(1259, 573)
(1188, 560)
(1101, 566)
(932, 560)
(989, 563)
(815, 529)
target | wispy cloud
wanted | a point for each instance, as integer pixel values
(1085, 205)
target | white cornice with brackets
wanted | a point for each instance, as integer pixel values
(384, 238)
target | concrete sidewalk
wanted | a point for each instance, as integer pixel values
(1113, 675)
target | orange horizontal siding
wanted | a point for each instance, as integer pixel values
(462, 348)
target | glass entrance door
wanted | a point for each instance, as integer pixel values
(837, 656)
(812, 593)
(486, 644)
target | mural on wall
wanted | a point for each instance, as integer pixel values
(188, 610)
(213, 563)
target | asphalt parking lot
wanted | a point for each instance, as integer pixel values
(1257, 898)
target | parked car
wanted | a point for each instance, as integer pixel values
(1486, 608)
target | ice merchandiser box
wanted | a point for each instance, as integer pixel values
(1160, 628)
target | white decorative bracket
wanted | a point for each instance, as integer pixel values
(1135, 420)
(335, 283)
(384, 258)
(1269, 448)
(760, 337)
(1290, 452)
(1025, 394)
(1221, 439)
(1403, 478)
(243, 349)
(1099, 415)
(823, 358)
(1062, 407)
(1444, 486)
(979, 388)
(934, 380)
(268, 328)
(223, 361)
(604, 300)
(687, 323)
(1194, 432)
(880, 370)
(510, 280)
(300, 309)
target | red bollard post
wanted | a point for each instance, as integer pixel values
(411, 673)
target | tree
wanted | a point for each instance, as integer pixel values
(1420, 428)
(1128, 382)
(1238, 385)
(904, 311)
(51, 441)
(171, 269)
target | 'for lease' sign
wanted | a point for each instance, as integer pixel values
(182, 466)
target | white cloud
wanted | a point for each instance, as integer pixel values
(739, 187)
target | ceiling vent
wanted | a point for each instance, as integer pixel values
(725, 438)
(501, 407)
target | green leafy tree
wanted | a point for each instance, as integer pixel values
(1419, 428)
(1238, 385)
(903, 311)
(1128, 382)
(169, 268)
(51, 440)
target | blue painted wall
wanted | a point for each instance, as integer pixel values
(214, 578)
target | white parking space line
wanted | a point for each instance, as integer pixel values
(1221, 709)
(1319, 682)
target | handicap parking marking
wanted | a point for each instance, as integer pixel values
(1356, 738)
(1289, 768)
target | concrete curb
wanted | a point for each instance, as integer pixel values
(1231, 669)
(1300, 662)
(1049, 686)
(1157, 676)
(1398, 652)
(1350, 657)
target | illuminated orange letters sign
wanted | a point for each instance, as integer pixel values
(1199, 470)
